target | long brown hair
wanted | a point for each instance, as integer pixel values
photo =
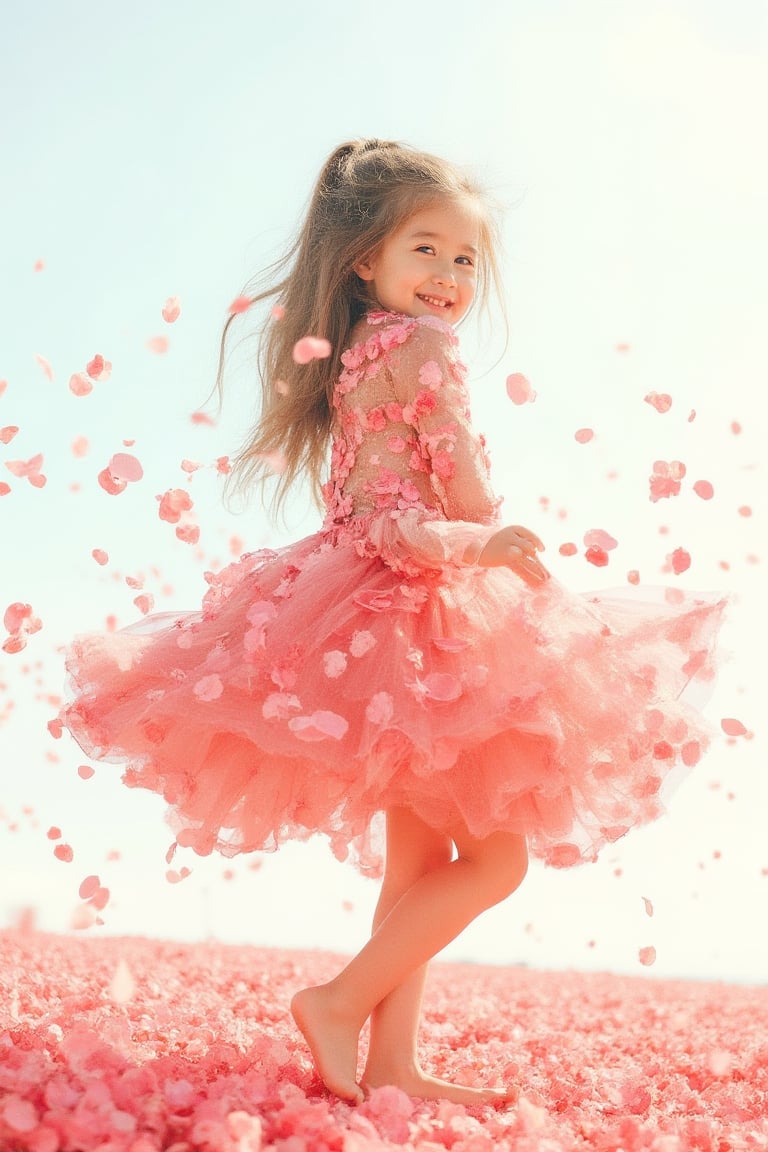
(365, 191)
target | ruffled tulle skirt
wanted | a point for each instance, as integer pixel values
(319, 686)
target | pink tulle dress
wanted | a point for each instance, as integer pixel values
(375, 664)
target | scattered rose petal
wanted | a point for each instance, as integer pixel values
(88, 887)
(277, 312)
(647, 956)
(380, 709)
(648, 906)
(745, 510)
(203, 418)
(583, 435)
(736, 427)
(7, 434)
(519, 389)
(208, 688)
(680, 561)
(80, 384)
(85, 772)
(568, 549)
(173, 503)
(188, 533)
(732, 727)
(171, 310)
(145, 603)
(633, 576)
(240, 304)
(122, 986)
(110, 485)
(80, 447)
(98, 368)
(665, 481)
(100, 556)
(311, 348)
(661, 401)
(158, 344)
(64, 852)
(45, 365)
(124, 466)
(704, 489)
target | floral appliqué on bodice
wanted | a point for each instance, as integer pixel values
(403, 444)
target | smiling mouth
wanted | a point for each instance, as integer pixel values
(435, 301)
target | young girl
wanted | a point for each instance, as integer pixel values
(413, 657)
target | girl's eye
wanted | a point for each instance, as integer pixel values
(465, 260)
(425, 248)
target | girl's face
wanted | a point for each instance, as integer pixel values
(427, 266)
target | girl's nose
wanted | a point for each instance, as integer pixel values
(444, 275)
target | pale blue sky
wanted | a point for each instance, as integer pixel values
(167, 150)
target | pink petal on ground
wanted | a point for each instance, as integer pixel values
(79, 384)
(583, 435)
(319, 726)
(596, 556)
(100, 556)
(145, 603)
(240, 304)
(20, 1115)
(442, 686)
(311, 348)
(203, 418)
(680, 561)
(110, 485)
(124, 466)
(88, 887)
(519, 389)
(745, 510)
(173, 503)
(7, 434)
(661, 401)
(647, 956)
(208, 688)
(704, 489)
(45, 365)
(732, 727)
(64, 852)
(648, 906)
(80, 447)
(122, 985)
(568, 549)
(171, 310)
(600, 538)
(85, 772)
(158, 344)
(633, 576)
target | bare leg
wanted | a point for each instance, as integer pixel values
(413, 848)
(431, 913)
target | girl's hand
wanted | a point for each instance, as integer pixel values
(515, 547)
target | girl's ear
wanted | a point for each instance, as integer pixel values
(365, 269)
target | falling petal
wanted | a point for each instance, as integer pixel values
(745, 510)
(190, 466)
(83, 917)
(600, 539)
(188, 533)
(171, 309)
(123, 466)
(79, 384)
(680, 561)
(85, 772)
(661, 401)
(45, 365)
(80, 447)
(319, 726)
(275, 461)
(647, 956)
(28, 468)
(110, 485)
(704, 489)
(203, 418)
(240, 304)
(735, 427)
(311, 348)
(64, 852)
(7, 434)
(623, 347)
(568, 549)
(633, 576)
(88, 887)
(100, 556)
(223, 466)
(145, 603)
(277, 312)
(173, 503)
(158, 344)
(648, 906)
(98, 368)
(584, 435)
(597, 556)
(3, 386)
(4, 488)
(732, 727)
(54, 832)
(519, 389)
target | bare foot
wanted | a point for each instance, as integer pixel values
(414, 1082)
(332, 1040)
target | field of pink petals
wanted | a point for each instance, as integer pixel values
(135, 1045)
